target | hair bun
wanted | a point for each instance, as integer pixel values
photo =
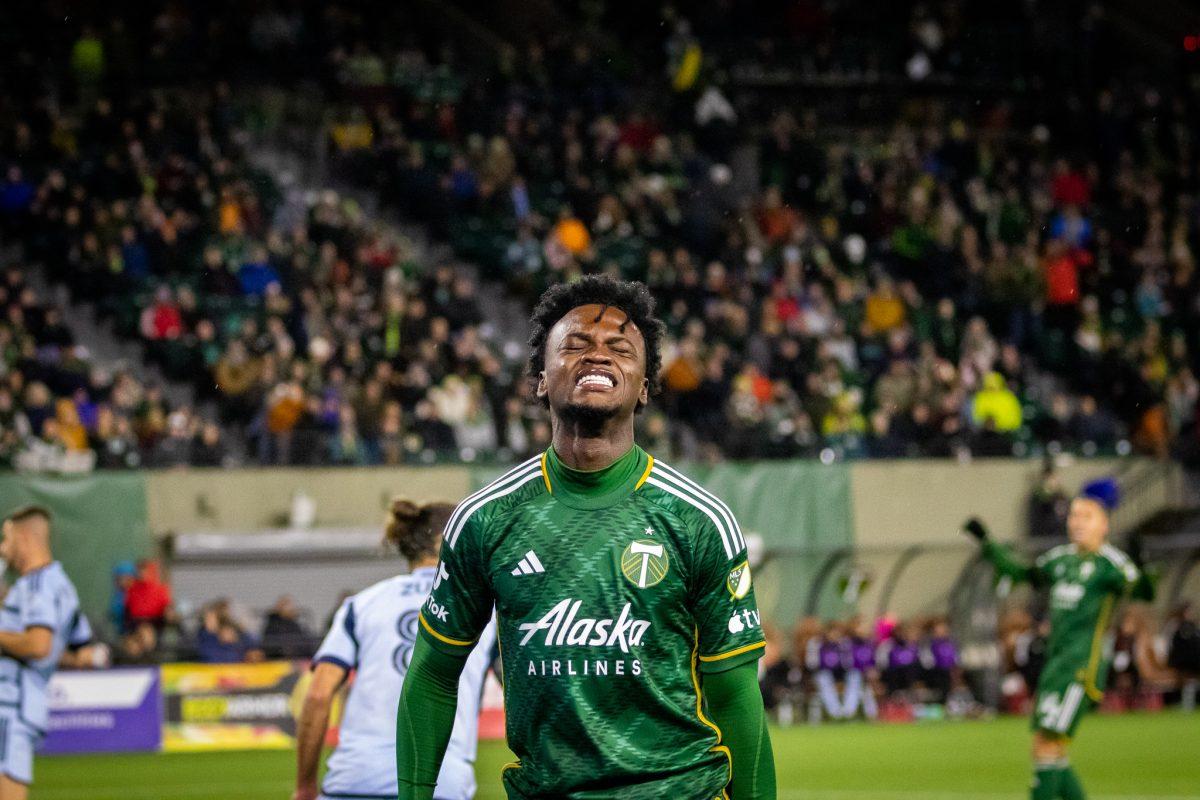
(405, 511)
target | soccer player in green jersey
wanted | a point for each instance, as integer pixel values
(628, 628)
(1085, 579)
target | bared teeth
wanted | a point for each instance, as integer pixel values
(602, 380)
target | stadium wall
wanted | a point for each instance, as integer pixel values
(248, 499)
(884, 534)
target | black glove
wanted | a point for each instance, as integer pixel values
(974, 528)
(1136, 550)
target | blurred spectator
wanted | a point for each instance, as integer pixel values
(900, 660)
(124, 575)
(995, 404)
(1048, 505)
(220, 640)
(148, 598)
(862, 677)
(827, 660)
(1183, 637)
(939, 660)
(283, 634)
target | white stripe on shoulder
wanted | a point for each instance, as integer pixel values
(1056, 552)
(517, 483)
(726, 540)
(700, 491)
(1114, 555)
(501, 481)
(1120, 560)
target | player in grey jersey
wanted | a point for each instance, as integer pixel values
(40, 619)
(373, 634)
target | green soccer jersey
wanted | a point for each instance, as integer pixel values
(1084, 587)
(612, 591)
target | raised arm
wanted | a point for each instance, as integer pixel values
(1001, 557)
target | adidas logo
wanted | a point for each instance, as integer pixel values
(529, 565)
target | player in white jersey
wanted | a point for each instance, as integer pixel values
(373, 634)
(40, 619)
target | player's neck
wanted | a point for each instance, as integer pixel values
(37, 562)
(588, 451)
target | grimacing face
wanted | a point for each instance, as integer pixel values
(1087, 524)
(595, 364)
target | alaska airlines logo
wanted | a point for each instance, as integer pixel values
(1067, 595)
(564, 626)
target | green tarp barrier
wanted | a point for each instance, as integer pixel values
(99, 520)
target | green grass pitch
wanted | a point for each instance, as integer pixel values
(1146, 757)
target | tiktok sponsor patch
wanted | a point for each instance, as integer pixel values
(436, 609)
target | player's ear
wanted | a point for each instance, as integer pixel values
(542, 389)
(644, 393)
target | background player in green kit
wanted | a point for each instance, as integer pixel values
(628, 628)
(1086, 578)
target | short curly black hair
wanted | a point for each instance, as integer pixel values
(631, 297)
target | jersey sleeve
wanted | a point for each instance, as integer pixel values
(460, 603)
(80, 632)
(728, 622)
(340, 645)
(1009, 566)
(1124, 577)
(38, 608)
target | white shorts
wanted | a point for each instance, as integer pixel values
(17, 743)
(456, 781)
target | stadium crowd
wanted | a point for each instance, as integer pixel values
(934, 284)
(900, 670)
(898, 293)
(146, 626)
(847, 669)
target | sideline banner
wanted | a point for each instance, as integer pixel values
(117, 711)
(231, 706)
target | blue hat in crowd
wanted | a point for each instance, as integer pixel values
(1104, 491)
(125, 569)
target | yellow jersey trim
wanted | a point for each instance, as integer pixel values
(646, 474)
(735, 652)
(718, 747)
(440, 637)
(546, 474)
(1093, 667)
